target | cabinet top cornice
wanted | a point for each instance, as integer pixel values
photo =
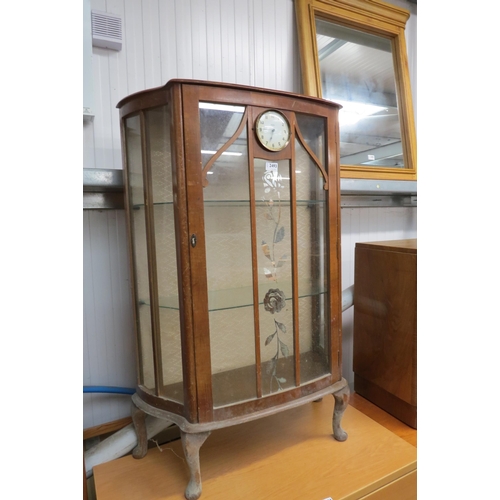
(228, 86)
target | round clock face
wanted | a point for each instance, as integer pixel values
(273, 130)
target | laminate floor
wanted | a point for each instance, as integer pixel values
(383, 418)
(378, 461)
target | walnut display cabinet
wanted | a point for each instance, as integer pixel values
(232, 198)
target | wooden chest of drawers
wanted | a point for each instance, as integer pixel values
(385, 326)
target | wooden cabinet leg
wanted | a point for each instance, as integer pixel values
(341, 402)
(191, 444)
(139, 421)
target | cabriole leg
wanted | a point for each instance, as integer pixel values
(191, 444)
(341, 402)
(139, 421)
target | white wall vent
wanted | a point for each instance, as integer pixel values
(106, 30)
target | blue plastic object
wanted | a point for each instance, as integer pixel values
(108, 389)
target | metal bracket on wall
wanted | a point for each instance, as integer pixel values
(357, 193)
(359, 201)
(103, 189)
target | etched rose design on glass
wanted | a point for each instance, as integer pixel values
(275, 298)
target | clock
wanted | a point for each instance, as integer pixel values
(272, 130)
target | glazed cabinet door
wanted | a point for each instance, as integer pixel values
(261, 253)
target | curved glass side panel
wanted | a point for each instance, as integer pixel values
(158, 135)
(312, 267)
(135, 181)
(274, 260)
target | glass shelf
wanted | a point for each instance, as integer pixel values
(242, 203)
(232, 298)
(259, 203)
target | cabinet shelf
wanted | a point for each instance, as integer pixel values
(240, 203)
(314, 369)
(233, 298)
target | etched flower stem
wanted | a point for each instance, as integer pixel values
(274, 301)
(276, 226)
(275, 359)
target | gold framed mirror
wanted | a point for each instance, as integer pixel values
(353, 52)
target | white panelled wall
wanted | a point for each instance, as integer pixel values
(251, 42)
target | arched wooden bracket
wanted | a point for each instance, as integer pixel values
(312, 155)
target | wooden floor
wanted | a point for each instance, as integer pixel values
(373, 464)
(384, 419)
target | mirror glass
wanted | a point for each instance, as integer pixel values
(357, 71)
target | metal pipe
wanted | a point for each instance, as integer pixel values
(347, 298)
(120, 443)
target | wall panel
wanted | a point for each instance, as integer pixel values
(234, 41)
(151, 27)
(243, 36)
(213, 41)
(226, 48)
(108, 339)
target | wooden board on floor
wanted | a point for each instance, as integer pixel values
(288, 455)
(384, 419)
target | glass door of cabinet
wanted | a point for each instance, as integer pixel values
(229, 259)
(265, 222)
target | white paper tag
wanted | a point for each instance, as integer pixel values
(273, 167)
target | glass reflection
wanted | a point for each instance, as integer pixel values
(229, 255)
(219, 123)
(140, 255)
(312, 267)
(357, 71)
(158, 138)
